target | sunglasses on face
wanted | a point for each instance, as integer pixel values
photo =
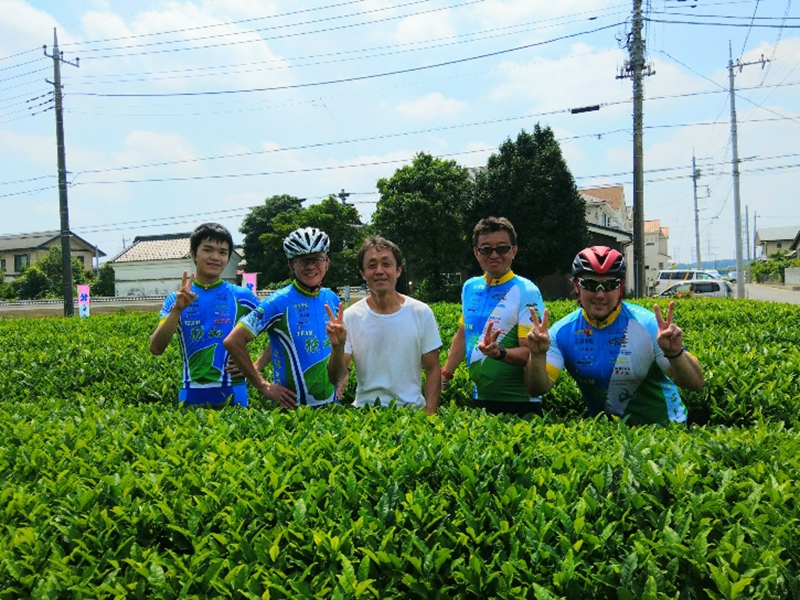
(487, 250)
(595, 285)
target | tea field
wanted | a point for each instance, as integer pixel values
(108, 491)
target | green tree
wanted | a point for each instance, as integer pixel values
(50, 265)
(105, 283)
(344, 228)
(259, 222)
(421, 210)
(32, 284)
(529, 183)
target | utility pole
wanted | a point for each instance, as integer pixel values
(66, 256)
(737, 203)
(343, 196)
(635, 68)
(695, 177)
(747, 240)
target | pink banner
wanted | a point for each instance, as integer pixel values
(84, 300)
(250, 281)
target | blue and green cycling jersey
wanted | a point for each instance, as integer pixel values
(295, 321)
(203, 326)
(505, 302)
(618, 365)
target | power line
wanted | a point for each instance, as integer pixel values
(350, 79)
(707, 23)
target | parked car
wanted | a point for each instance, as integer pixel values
(714, 273)
(710, 288)
(668, 277)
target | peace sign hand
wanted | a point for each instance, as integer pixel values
(538, 337)
(185, 296)
(670, 336)
(335, 327)
(489, 345)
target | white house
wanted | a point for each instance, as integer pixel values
(154, 264)
(20, 251)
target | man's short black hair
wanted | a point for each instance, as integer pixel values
(210, 231)
(492, 225)
(379, 244)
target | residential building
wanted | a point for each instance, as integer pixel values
(20, 251)
(153, 265)
(772, 239)
(656, 254)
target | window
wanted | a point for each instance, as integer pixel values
(779, 244)
(705, 287)
(80, 259)
(21, 261)
(2, 264)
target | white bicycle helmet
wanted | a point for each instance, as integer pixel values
(305, 241)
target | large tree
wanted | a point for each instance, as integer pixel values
(344, 228)
(529, 183)
(421, 209)
(50, 264)
(257, 223)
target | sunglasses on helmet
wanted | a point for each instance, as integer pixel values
(487, 250)
(596, 285)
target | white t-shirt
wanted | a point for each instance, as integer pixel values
(387, 351)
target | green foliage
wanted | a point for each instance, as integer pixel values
(774, 268)
(343, 226)
(109, 491)
(32, 284)
(105, 285)
(257, 223)
(529, 183)
(51, 265)
(421, 209)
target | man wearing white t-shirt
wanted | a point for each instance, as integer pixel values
(391, 337)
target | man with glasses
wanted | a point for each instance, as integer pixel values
(496, 317)
(294, 317)
(626, 360)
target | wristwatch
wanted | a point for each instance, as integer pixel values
(503, 353)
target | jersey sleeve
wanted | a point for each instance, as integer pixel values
(555, 359)
(256, 321)
(169, 302)
(247, 299)
(531, 297)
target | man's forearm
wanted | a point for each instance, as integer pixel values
(337, 369)
(686, 372)
(236, 345)
(164, 332)
(457, 352)
(537, 381)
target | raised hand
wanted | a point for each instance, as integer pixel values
(489, 345)
(335, 327)
(670, 336)
(185, 296)
(538, 337)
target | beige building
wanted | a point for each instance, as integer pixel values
(656, 255)
(772, 239)
(154, 264)
(18, 252)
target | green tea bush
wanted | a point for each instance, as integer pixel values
(108, 491)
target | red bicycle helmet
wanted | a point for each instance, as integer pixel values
(599, 260)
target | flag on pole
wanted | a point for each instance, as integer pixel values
(84, 300)
(250, 281)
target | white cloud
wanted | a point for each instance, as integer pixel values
(425, 27)
(432, 106)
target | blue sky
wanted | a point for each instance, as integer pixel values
(183, 112)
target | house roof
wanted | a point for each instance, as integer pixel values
(612, 194)
(775, 234)
(37, 240)
(168, 246)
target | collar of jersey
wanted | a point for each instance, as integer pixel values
(305, 292)
(507, 277)
(602, 324)
(210, 286)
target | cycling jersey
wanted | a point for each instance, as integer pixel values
(295, 321)
(506, 303)
(203, 326)
(618, 366)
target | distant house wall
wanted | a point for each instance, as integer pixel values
(30, 256)
(157, 277)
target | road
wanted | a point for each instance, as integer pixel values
(771, 294)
